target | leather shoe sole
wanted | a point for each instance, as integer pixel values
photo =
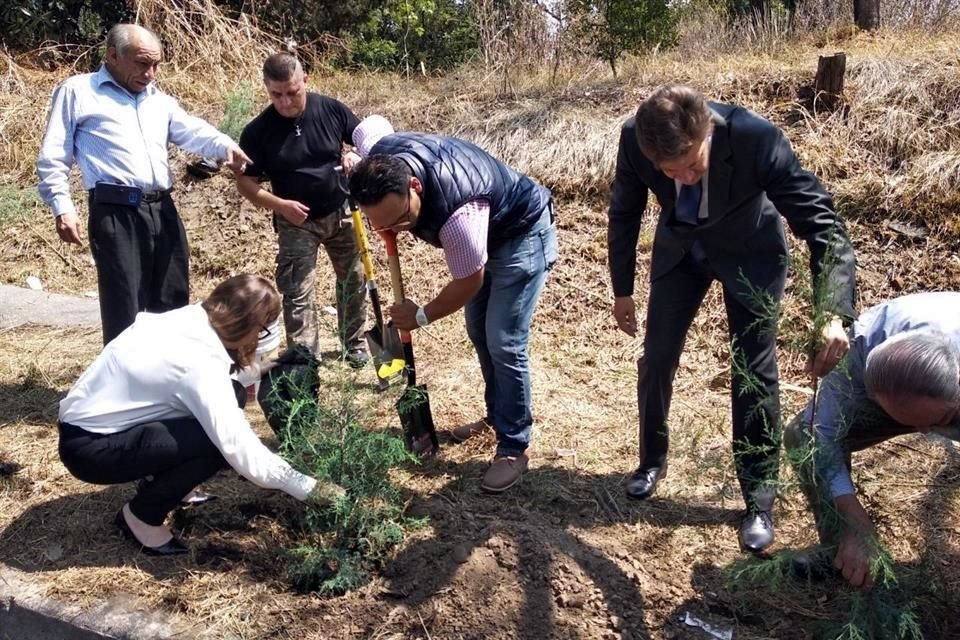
(644, 481)
(173, 547)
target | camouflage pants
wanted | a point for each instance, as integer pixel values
(296, 275)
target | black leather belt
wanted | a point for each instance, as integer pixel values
(106, 193)
(156, 196)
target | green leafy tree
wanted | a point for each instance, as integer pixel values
(26, 24)
(614, 27)
(413, 34)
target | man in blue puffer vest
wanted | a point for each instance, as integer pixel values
(496, 229)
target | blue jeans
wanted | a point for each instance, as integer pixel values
(498, 323)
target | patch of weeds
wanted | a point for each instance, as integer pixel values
(887, 612)
(237, 110)
(15, 201)
(326, 438)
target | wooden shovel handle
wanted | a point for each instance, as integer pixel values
(396, 279)
(393, 261)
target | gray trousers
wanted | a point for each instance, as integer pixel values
(296, 276)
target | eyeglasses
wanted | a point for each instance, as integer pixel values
(267, 331)
(401, 221)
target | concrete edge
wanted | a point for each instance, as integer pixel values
(26, 612)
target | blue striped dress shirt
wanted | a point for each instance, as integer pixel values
(116, 136)
(845, 387)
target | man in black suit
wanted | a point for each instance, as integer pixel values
(723, 176)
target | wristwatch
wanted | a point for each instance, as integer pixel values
(422, 319)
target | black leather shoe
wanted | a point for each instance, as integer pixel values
(196, 498)
(756, 531)
(644, 480)
(173, 547)
(357, 357)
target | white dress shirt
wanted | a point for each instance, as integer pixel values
(173, 365)
(116, 136)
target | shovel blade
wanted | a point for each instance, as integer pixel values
(387, 359)
(419, 432)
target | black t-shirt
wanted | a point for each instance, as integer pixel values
(298, 155)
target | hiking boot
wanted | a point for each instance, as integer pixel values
(357, 357)
(504, 472)
(466, 431)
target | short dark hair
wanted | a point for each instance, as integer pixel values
(671, 121)
(280, 67)
(378, 176)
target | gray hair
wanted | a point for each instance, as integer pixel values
(121, 36)
(919, 362)
(281, 67)
(671, 121)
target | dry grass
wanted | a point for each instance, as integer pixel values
(893, 151)
(889, 152)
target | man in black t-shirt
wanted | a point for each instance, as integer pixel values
(296, 143)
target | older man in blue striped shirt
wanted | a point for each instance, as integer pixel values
(116, 125)
(901, 376)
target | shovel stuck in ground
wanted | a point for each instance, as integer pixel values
(413, 406)
(383, 341)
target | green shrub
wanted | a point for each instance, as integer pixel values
(238, 110)
(326, 438)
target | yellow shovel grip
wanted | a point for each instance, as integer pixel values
(362, 243)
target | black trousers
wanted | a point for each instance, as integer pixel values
(176, 453)
(674, 300)
(142, 261)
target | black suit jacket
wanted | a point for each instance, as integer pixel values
(753, 178)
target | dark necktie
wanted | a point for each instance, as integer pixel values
(688, 203)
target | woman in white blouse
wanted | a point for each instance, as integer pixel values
(159, 403)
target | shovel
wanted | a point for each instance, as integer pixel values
(413, 406)
(382, 341)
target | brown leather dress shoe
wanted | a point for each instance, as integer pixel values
(466, 431)
(504, 472)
